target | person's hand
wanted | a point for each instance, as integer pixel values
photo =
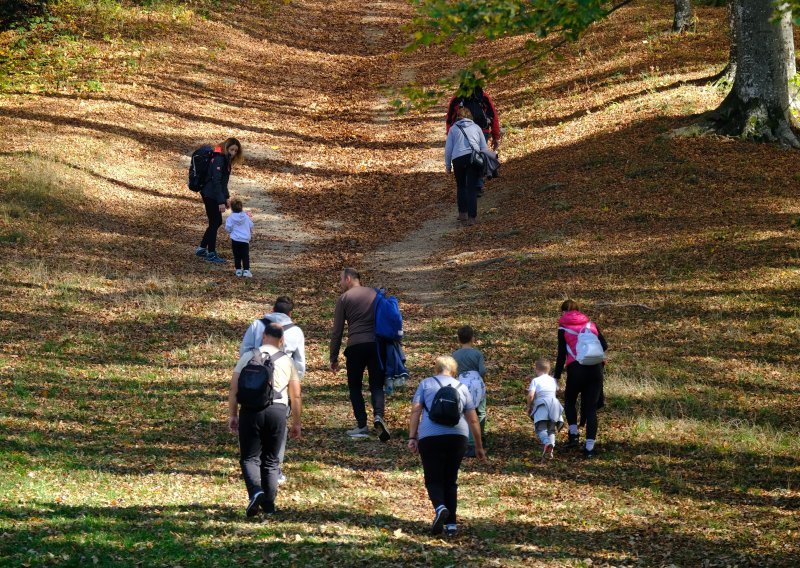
(228, 203)
(233, 424)
(249, 214)
(335, 367)
(481, 454)
(413, 446)
(495, 144)
(294, 431)
(222, 207)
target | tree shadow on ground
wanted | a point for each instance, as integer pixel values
(200, 534)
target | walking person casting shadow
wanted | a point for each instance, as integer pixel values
(442, 413)
(216, 197)
(463, 148)
(356, 306)
(582, 348)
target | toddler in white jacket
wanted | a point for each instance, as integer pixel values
(240, 226)
(544, 408)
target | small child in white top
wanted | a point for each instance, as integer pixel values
(544, 408)
(240, 225)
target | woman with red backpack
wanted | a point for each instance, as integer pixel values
(581, 347)
(216, 197)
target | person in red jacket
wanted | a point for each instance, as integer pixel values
(484, 115)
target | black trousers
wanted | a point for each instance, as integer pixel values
(214, 222)
(261, 433)
(441, 459)
(586, 381)
(467, 184)
(359, 357)
(241, 254)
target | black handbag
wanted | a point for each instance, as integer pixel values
(476, 159)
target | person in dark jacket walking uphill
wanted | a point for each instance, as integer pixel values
(356, 306)
(583, 380)
(216, 197)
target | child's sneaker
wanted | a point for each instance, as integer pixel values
(247, 274)
(547, 454)
(238, 272)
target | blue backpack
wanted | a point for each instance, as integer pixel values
(388, 320)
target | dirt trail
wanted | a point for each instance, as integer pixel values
(407, 265)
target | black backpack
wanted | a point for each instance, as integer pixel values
(256, 381)
(446, 406)
(199, 166)
(475, 106)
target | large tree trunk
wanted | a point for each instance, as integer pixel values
(728, 74)
(684, 16)
(758, 106)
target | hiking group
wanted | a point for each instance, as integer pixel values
(470, 123)
(448, 409)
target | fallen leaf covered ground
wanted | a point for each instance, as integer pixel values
(117, 343)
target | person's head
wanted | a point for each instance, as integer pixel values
(236, 205)
(464, 112)
(445, 365)
(273, 333)
(542, 366)
(349, 278)
(232, 149)
(570, 306)
(465, 334)
(283, 305)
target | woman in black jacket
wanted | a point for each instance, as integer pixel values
(216, 197)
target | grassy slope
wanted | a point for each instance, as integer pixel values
(116, 345)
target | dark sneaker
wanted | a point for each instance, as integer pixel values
(215, 258)
(383, 431)
(589, 454)
(450, 531)
(200, 252)
(268, 507)
(442, 514)
(572, 441)
(255, 504)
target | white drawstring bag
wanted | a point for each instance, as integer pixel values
(588, 350)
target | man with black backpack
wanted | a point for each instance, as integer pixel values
(263, 382)
(294, 345)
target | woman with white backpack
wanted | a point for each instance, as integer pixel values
(581, 348)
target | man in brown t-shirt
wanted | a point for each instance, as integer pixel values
(356, 306)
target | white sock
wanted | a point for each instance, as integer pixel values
(573, 429)
(552, 440)
(590, 445)
(544, 437)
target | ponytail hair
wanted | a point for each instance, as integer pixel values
(570, 306)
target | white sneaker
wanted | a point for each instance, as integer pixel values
(238, 272)
(247, 274)
(358, 432)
